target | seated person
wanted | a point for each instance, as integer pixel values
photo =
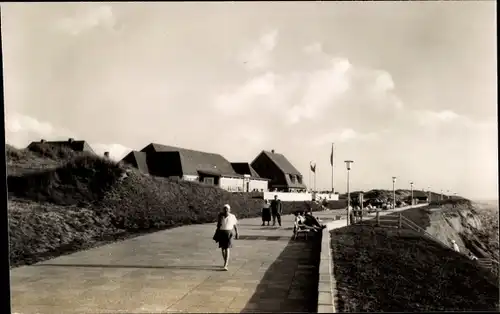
(472, 257)
(312, 221)
(299, 218)
(302, 222)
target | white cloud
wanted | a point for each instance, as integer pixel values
(345, 135)
(16, 123)
(321, 88)
(313, 49)
(303, 95)
(20, 130)
(90, 18)
(267, 87)
(259, 55)
(116, 151)
(430, 118)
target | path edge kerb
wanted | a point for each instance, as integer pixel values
(326, 282)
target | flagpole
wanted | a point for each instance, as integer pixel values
(332, 162)
(309, 176)
(315, 178)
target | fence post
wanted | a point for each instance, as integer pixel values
(378, 218)
(400, 221)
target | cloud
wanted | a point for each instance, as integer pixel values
(321, 88)
(116, 151)
(259, 55)
(88, 19)
(20, 130)
(308, 94)
(429, 118)
(313, 49)
(346, 135)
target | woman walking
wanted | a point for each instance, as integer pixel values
(226, 223)
(266, 213)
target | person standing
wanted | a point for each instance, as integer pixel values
(226, 223)
(266, 213)
(276, 210)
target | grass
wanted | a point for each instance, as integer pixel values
(61, 202)
(382, 270)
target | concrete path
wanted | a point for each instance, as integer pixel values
(177, 270)
(327, 216)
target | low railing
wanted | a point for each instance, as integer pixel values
(398, 222)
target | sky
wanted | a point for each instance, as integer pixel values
(405, 89)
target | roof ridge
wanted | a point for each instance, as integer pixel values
(186, 149)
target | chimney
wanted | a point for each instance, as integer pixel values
(70, 140)
(272, 151)
(42, 141)
(106, 154)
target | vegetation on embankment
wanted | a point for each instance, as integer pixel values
(474, 228)
(385, 270)
(61, 202)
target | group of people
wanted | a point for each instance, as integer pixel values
(307, 221)
(457, 249)
(272, 210)
(227, 224)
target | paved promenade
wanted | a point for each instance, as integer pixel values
(328, 216)
(177, 270)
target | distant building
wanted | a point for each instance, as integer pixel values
(283, 176)
(191, 165)
(256, 182)
(77, 146)
(419, 197)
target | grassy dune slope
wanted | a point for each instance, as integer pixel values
(383, 270)
(61, 202)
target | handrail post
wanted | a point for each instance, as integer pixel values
(400, 222)
(378, 219)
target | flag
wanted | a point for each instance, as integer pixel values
(313, 167)
(331, 157)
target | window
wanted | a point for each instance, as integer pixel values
(208, 181)
(292, 178)
(299, 179)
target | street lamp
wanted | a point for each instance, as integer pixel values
(348, 166)
(430, 195)
(393, 193)
(411, 189)
(441, 194)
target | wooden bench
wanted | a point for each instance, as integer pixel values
(299, 228)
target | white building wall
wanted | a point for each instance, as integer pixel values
(259, 185)
(327, 196)
(231, 184)
(289, 196)
(190, 178)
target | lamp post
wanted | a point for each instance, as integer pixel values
(430, 195)
(411, 189)
(393, 193)
(348, 166)
(441, 194)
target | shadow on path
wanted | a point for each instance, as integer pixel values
(290, 284)
(211, 267)
(265, 238)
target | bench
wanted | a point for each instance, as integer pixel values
(299, 228)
